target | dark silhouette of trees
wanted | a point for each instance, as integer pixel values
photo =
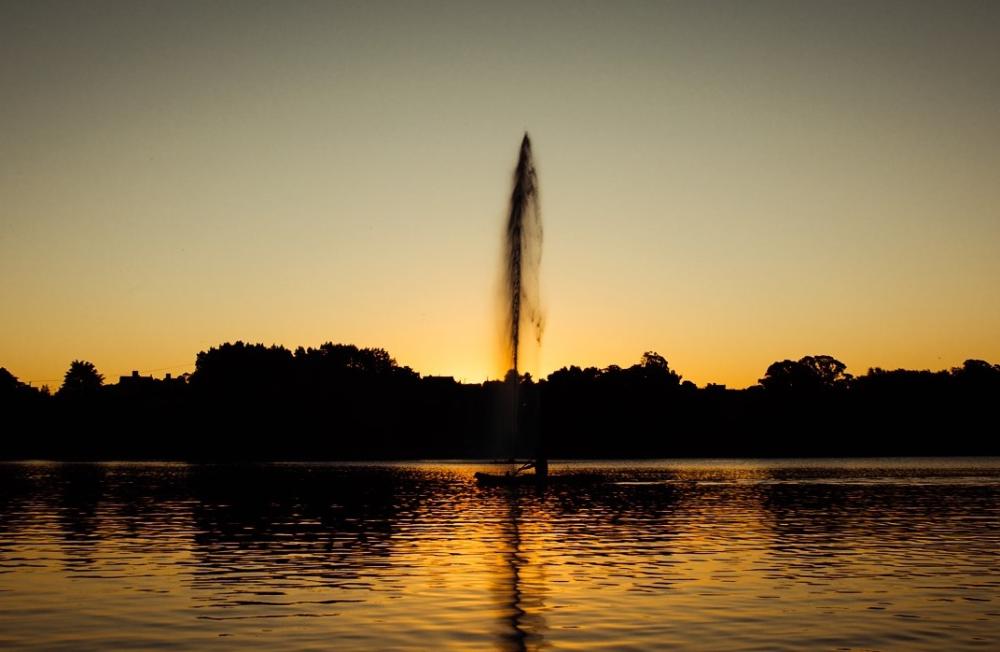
(239, 368)
(338, 401)
(10, 386)
(830, 371)
(978, 375)
(808, 374)
(81, 380)
(653, 368)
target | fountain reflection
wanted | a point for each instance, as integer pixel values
(522, 622)
(693, 555)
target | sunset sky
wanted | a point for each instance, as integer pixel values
(728, 184)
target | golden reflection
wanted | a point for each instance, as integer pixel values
(520, 602)
(693, 555)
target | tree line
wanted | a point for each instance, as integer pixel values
(338, 401)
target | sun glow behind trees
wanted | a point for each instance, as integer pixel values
(728, 186)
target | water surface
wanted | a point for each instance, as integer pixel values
(721, 555)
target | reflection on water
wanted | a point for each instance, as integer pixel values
(870, 554)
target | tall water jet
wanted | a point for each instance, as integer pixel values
(522, 312)
(522, 260)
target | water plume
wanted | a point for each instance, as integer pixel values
(522, 260)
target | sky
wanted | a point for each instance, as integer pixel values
(728, 184)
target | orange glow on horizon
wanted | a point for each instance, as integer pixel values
(282, 186)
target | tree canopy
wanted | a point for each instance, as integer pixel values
(81, 379)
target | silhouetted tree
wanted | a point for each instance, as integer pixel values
(654, 368)
(653, 360)
(8, 381)
(978, 372)
(828, 370)
(81, 379)
(14, 392)
(808, 374)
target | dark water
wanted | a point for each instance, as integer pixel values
(833, 554)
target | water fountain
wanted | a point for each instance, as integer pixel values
(522, 314)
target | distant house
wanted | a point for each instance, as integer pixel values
(135, 379)
(439, 381)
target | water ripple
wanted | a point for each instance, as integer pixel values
(722, 555)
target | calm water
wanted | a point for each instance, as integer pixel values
(859, 554)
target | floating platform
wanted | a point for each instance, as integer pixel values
(532, 480)
(509, 479)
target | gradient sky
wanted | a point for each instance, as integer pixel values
(728, 184)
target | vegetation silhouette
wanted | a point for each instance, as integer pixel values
(81, 380)
(340, 402)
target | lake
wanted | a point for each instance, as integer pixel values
(872, 554)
